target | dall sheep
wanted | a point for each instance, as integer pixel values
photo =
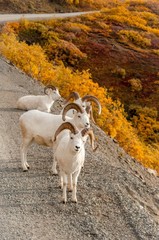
(40, 102)
(70, 155)
(40, 127)
(84, 102)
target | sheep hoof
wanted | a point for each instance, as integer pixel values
(70, 189)
(54, 172)
(25, 170)
(64, 201)
(74, 200)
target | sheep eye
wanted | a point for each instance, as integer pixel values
(79, 116)
(71, 137)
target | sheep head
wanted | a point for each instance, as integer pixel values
(71, 106)
(80, 116)
(49, 87)
(77, 138)
(52, 91)
(90, 98)
(90, 113)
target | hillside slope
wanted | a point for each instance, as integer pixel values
(36, 6)
(32, 6)
(118, 199)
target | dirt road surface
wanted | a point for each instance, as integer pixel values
(117, 198)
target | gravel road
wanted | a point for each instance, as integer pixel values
(117, 198)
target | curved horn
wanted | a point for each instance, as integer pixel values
(66, 125)
(90, 133)
(74, 95)
(49, 86)
(89, 111)
(71, 106)
(87, 98)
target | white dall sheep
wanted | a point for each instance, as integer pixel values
(70, 155)
(40, 127)
(84, 102)
(40, 102)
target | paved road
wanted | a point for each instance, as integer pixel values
(15, 17)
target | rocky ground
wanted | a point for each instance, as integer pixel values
(118, 199)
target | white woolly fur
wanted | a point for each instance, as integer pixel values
(39, 102)
(40, 127)
(70, 155)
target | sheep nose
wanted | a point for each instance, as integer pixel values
(87, 125)
(77, 148)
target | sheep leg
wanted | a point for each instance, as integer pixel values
(54, 169)
(64, 188)
(75, 179)
(61, 182)
(70, 183)
(24, 149)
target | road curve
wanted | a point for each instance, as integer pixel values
(16, 17)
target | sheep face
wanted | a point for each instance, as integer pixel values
(76, 142)
(82, 104)
(54, 94)
(81, 120)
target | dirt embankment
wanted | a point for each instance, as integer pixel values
(117, 198)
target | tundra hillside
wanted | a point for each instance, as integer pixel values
(118, 199)
(49, 6)
(120, 47)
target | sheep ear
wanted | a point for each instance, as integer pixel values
(48, 91)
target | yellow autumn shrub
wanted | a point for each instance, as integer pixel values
(156, 51)
(76, 27)
(119, 72)
(31, 59)
(136, 84)
(136, 38)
